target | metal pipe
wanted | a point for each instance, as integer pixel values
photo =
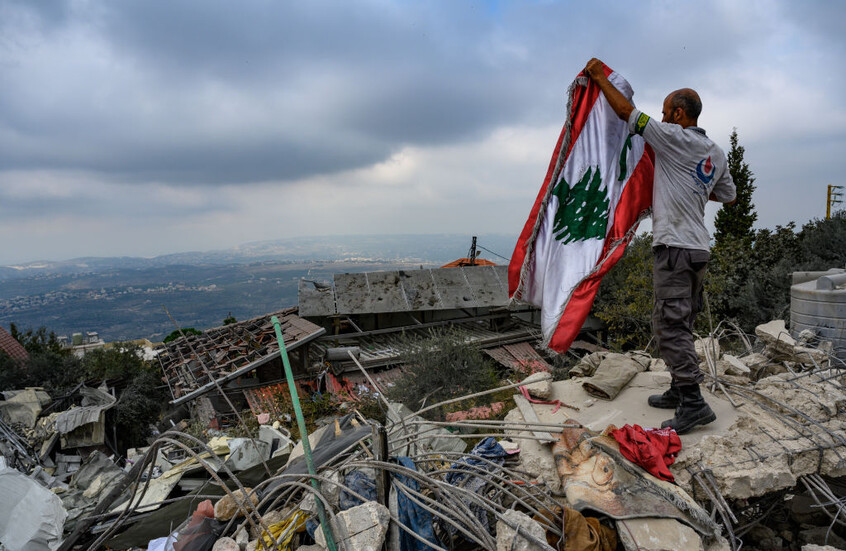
(298, 411)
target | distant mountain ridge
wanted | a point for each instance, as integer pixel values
(123, 298)
(401, 247)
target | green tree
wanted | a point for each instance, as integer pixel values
(179, 332)
(731, 256)
(38, 340)
(441, 366)
(734, 222)
(121, 359)
(624, 300)
(823, 243)
(229, 319)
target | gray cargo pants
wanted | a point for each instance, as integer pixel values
(678, 277)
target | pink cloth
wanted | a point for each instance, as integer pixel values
(653, 449)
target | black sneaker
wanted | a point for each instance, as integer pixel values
(692, 412)
(670, 399)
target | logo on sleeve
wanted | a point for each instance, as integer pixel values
(705, 171)
(640, 123)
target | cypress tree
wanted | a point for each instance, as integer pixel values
(733, 223)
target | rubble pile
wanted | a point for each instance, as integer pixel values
(555, 471)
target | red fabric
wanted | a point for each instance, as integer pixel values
(652, 449)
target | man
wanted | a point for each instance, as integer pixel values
(689, 170)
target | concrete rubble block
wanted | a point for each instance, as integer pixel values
(810, 356)
(775, 335)
(360, 528)
(226, 507)
(279, 442)
(242, 537)
(535, 457)
(657, 534)
(821, 536)
(245, 453)
(814, 547)
(819, 401)
(755, 361)
(722, 454)
(539, 385)
(509, 539)
(709, 346)
(722, 367)
(314, 547)
(271, 517)
(765, 538)
(735, 366)
(226, 544)
(330, 489)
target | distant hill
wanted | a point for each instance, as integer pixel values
(404, 248)
(124, 298)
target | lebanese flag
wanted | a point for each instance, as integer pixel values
(597, 190)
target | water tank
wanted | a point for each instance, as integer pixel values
(819, 304)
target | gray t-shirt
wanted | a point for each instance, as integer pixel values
(688, 168)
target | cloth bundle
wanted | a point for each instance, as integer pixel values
(613, 374)
(653, 449)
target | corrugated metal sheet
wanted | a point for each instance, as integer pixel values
(406, 291)
(520, 357)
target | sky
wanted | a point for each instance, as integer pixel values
(147, 127)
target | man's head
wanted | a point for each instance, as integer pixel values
(682, 107)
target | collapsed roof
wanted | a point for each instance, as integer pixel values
(195, 364)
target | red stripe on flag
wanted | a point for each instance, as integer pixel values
(635, 198)
(583, 99)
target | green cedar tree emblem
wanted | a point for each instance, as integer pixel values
(582, 209)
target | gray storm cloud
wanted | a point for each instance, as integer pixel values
(193, 116)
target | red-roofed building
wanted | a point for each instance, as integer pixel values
(11, 347)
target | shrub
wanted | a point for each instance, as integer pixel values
(441, 366)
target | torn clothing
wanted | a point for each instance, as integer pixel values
(678, 280)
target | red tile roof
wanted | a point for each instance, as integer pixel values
(12, 347)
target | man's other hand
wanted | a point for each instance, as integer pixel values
(595, 69)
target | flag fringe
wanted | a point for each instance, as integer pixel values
(559, 163)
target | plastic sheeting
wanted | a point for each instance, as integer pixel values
(31, 516)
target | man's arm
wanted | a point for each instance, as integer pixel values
(616, 99)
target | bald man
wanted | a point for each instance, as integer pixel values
(689, 170)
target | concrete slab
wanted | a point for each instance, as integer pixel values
(630, 407)
(316, 298)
